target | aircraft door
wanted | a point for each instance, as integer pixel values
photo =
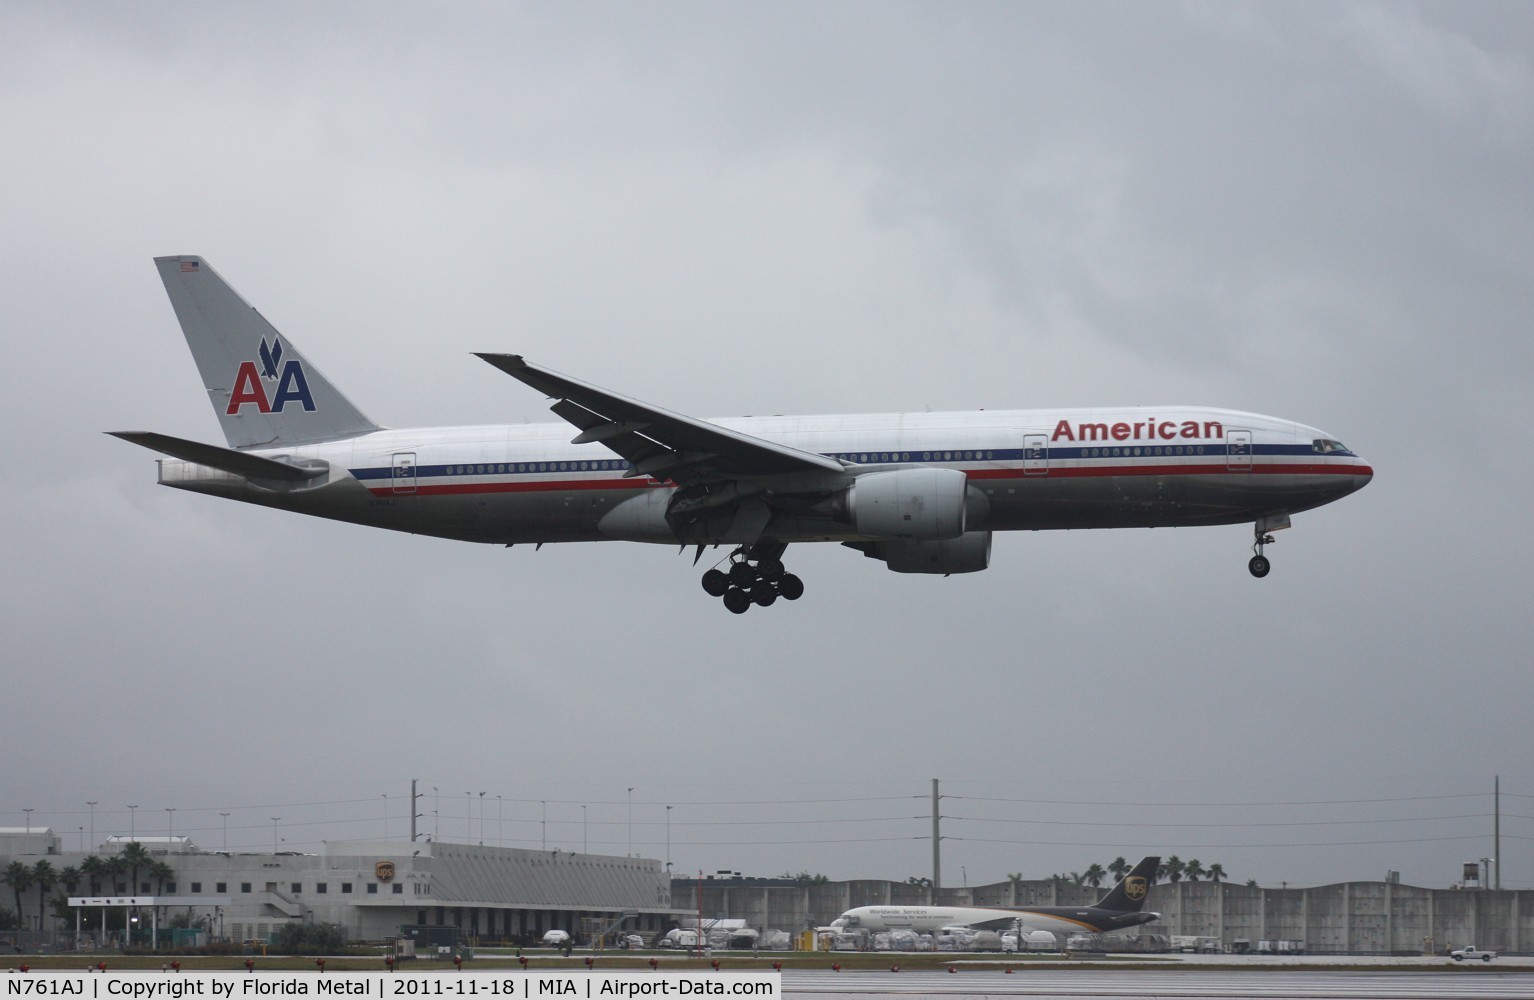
(1035, 454)
(403, 472)
(1238, 451)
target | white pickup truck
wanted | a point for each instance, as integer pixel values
(1470, 952)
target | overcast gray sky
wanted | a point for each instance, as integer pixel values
(1320, 211)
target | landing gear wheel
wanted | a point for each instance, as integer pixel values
(742, 575)
(1259, 566)
(715, 583)
(754, 574)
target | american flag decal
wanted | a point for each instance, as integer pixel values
(188, 266)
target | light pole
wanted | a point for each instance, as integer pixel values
(500, 822)
(481, 819)
(630, 853)
(668, 840)
(132, 830)
(93, 824)
(274, 833)
(543, 839)
(226, 830)
(170, 827)
(436, 813)
(29, 823)
(585, 844)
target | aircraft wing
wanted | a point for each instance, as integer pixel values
(659, 442)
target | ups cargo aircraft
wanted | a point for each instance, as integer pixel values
(1120, 909)
(921, 492)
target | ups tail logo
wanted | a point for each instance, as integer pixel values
(1135, 887)
(385, 872)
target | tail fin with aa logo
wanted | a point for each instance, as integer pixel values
(266, 394)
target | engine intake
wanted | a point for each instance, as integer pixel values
(917, 504)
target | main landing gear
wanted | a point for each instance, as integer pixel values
(755, 576)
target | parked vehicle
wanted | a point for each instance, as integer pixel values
(1470, 952)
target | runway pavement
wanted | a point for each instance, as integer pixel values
(1205, 984)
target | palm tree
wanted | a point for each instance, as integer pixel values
(1215, 872)
(1193, 868)
(44, 875)
(95, 870)
(1118, 867)
(70, 876)
(159, 873)
(1173, 866)
(134, 856)
(1014, 876)
(18, 876)
(116, 868)
(1095, 874)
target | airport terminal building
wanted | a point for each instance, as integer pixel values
(371, 888)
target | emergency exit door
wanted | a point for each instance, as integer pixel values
(403, 472)
(1238, 451)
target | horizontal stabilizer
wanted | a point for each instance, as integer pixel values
(238, 463)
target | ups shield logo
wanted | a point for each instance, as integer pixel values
(385, 872)
(1135, 887)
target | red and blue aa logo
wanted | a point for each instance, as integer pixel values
(250, 387)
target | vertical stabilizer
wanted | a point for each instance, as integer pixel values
(266, 394)
(1129, 895)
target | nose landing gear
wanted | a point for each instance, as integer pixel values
(1261, 536)
(1259, 564)
(755, 576)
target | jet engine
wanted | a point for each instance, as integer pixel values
(919, 504)
(969, 553)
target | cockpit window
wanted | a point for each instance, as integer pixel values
(1326, 446)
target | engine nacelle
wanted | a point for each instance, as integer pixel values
(969, 553)
(916, 504)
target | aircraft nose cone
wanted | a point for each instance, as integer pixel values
(1362, 475)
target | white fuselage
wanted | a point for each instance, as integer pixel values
(932, 919)
(1027, 470)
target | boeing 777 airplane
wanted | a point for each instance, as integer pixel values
(1120, 909)
(921, 492)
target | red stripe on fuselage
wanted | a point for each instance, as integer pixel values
(388, 488)
(1209, 469)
